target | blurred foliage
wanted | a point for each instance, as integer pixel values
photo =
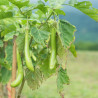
(86, 46)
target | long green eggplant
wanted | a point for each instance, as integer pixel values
(28, 59)
(53, 49)
(20, 72)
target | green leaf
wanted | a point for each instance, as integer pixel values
(62, 79)
(9, 28)
(6, 11)
(39, 35)
(66, 33)
(34, 79)
(26, 11)
(56, 4)
(86, 8)
(45, 27)
(20, 41)
(39, 16)
(9, 36)
(2, 63)
(5, 75)
(61, 54)
(41, 6)
(7, 14)
(43, 53)
(44, 66)
(72, 2)
(4, 2)
(72, 50)
(8, 54)
(45, 0)
(1, 43)
(59, 12)
(20, 3)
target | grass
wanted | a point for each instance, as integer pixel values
(83, 73)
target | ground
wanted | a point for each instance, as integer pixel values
(83, 73)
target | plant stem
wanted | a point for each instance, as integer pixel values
(1, 89)
(61, 94)
(31, 40)
(20, 89)
(9, 89)
(22, 13)
(46, 20)
(14, 63)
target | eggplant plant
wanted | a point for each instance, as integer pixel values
(42, 40)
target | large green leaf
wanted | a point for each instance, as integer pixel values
(86, 8)
(8, 54)
(59, 12)
(6, 14)
(39, 35)
(5, 75)
(4, 2)
(66, 33)
(39, 16)
(46, 27)
(1, 43)
(61, 54)
(9, 36)
(6, 11)
(20, 41)
(3, 63)
(41, 6)
(47, 72)
(45, 0)
(8, 28)
(34, 79)
(62, 79)
(20, 3)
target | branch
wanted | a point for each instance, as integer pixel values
(14, 63)
(61, 94)
(31, 40)
(22, 13)
(20, 89)
(1, 89)
(9, 89)
(46, 20)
